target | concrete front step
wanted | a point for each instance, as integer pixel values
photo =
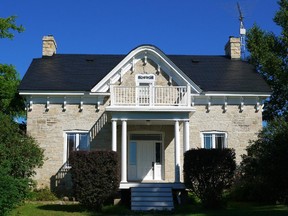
(153, 204)
(144, 208)
(151, 198)
(154, 189)
(128, 185)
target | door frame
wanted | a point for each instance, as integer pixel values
(133, 168)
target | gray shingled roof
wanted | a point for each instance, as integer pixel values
(73, 72)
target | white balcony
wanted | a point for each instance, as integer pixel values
(150, 96)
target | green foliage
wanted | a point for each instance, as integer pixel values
(42, 194)
(207, 172)
(19, 153)
(8, 24)
(264, 167)
(95, 177)
(12, 190)
(19, 156)
(268, 52)
(10, 101)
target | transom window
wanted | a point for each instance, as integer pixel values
(153, 137)
(75, 141)
(214, 140)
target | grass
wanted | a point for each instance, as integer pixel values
(235, 209)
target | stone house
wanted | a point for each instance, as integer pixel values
(147, 106)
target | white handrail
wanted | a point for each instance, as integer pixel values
(150, 96)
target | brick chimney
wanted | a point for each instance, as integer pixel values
(233, 48)
(49, 46)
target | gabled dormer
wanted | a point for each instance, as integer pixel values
(146, 77)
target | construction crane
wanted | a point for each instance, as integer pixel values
(242, 32)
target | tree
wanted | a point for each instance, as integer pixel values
(19, 153)
(264, 168)
(268, 52)
(7, 25)
(10, 101)
(263, 171)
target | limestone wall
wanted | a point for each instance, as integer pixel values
(241, 127)
(48, 128)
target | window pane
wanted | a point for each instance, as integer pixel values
(153, 137)
(71, 143)
(158, 152)
(208, 141)
(132, 153)
(83, 142)
(219, 141)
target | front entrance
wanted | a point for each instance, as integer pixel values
(145, 158)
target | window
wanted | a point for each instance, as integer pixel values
(132, 153)
(75, 141)
(158, 153)
(216, 140)
(143, 83)
(153, 137)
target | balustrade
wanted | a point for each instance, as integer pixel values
(149, 96)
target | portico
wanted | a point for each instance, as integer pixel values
(132, 161)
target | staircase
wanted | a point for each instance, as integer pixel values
(145, 198)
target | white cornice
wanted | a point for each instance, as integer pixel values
(50, 93)
(100, 93)
(236, 94)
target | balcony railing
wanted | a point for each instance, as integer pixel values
(150, 96)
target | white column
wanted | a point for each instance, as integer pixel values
(124, 152)
(114, 135)
(186, 137)
(177, 151)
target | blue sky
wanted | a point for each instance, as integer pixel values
(200, 27)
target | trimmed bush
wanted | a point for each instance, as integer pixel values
(95, 177)
(208, 172)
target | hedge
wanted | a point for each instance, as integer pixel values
(95, 177)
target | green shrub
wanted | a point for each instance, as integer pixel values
(208, 172)
(42, 194)
(12, 191)
(95, 177)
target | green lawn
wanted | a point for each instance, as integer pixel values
(235, 209)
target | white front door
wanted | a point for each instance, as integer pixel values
(144, 161)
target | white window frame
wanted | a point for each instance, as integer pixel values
(213, 138)
(77, 132)
(144, 95)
